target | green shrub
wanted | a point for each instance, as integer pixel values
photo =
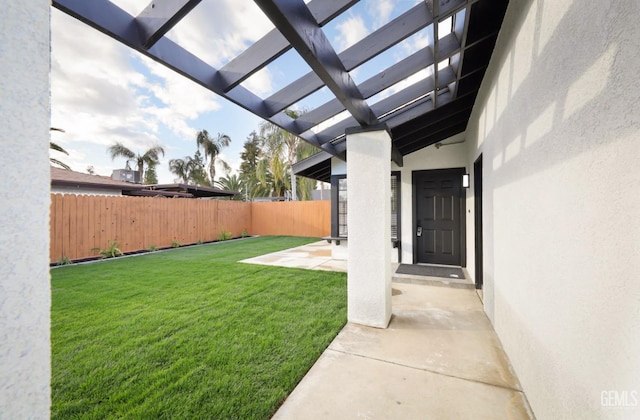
(110, 251)
(64, 260)
(224, 235)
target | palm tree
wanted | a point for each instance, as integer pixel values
(190, 170)
(180, 168)
(55, 161)
(305, 185)
(58, 148)
(232, 183)
(150, 157)
(212, 148)
(282, 150)
(251, 156)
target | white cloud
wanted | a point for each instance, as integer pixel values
(181, 100)
(93, 87)
(350, 31)
(102, 92)
(218, 30)
(380, 11)
(260, 83)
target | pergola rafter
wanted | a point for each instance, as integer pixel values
(443, 98)
(294, 20)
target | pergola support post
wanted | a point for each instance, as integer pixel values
(369, 224)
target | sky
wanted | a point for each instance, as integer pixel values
(103, 92)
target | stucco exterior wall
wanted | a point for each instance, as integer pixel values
(25, 360)
(341, 251)
(558, 123)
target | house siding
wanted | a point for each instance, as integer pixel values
(557, 121)
(84, 191)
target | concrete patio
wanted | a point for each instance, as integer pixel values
(438, 359)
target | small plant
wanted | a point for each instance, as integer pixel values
(152, 248)
(244, 233)
(110, 251)
(199, 242)
(224, 235)
(175, 243)
(64, 260)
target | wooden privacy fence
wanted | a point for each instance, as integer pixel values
(292, 218)
(80, 223)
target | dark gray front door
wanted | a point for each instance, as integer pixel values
(438, 216)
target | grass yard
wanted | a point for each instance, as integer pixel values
(188, 333)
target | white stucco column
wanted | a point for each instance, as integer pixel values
(369, 227)
(25, 351)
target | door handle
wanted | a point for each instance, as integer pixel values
(419, 232)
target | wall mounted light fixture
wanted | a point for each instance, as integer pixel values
(465, 181)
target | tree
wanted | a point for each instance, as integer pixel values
(56, 147)
(190, 170)
(197, 173)
(180, 168)
(212, 148)
(150, 157)
(250, 156)
(249, 169)
(150, 176)
(232, 183)
(272, 170)
(305, 185)
(281, 151)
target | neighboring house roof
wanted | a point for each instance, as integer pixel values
(198, 191)
(66, 178)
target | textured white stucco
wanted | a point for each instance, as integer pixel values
(341, 251)
(369, 220)
(25, 360)
(558, 123)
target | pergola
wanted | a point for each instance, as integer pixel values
(461, 33)
(420, 99)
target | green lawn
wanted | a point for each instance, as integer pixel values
(188, 333)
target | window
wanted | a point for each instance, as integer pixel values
(395, 204)
(342, 207)
(339, 226)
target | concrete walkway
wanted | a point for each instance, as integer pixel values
(439, 359)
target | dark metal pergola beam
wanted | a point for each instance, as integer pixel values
(294, 20)
(444, 124)
(273, 45)
(427, 121)
(160, 16)
(379, 41)
(383, 80)
(403, 97)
